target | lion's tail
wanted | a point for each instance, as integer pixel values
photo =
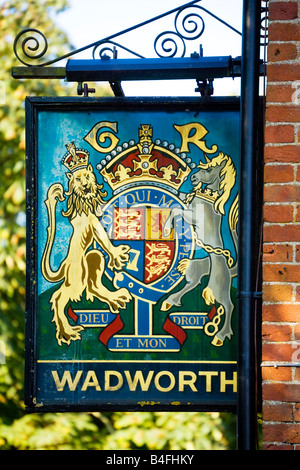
(55, 192)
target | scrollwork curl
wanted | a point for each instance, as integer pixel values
(168, 43)
(111, 50)
(110, 47)
(33, 45)
(264, 27)
(189, 24)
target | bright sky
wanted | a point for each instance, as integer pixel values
(87, 21)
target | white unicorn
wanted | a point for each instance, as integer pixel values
(212, 183)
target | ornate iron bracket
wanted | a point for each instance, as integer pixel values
(31, 46)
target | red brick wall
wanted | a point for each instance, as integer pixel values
(281, 249)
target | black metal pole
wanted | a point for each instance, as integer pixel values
(246, 405)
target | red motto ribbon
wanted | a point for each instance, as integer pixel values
(111, 329)
(175, 331)
(117, 324)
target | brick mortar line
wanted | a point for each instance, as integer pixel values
(280, 263)
(292, 41)
(293, 304)
(292, 341)
(283, 144)
(274, 322)
(292, 244)
(282, 224)
(291, 382)
(275, 402)
(281, 283)
(281, 104)
(266, 382)
(293, 422)
(283, 123)
(284, 62)
(279, 203)
(280, 82)
(281, 164)
(289, 183)
(293, 20)
(267, 203)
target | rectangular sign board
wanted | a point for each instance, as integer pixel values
(132, 226)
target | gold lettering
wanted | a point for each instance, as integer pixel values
(224, 382)
(107, 384)
(137, 193)
(83, 318)
(183, 381)
(128, 201)
(66, 378)
(138, 378)
(158, 385)
(193, 133)
(163, 202)
(164, 380)
(92, 139)
(107, 218)
(208, 375)
(152, 343)
(91, 381)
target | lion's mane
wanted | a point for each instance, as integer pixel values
(79, 203)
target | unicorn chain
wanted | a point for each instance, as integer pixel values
(217, 251)
(214, 323)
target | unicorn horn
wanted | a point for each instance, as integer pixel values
(204, 165)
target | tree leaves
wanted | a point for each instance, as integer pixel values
(15, 15)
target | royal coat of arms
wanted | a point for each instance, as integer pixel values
(138, 251)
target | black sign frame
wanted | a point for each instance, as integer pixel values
(35, 106)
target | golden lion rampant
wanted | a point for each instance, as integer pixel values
(83, 266)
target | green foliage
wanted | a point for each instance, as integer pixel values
(15, 16)
(126, 431)
(170, 431)
(18, 430)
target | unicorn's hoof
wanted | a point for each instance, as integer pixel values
(217, 342)
(165, 306)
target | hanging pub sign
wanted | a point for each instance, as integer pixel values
(132, 226)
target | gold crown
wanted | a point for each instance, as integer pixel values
(207, 194)
(145, 162)
(75, 159)
(203, 193)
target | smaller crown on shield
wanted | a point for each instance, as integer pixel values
(75, 158)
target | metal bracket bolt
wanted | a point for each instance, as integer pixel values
(205, 87)
(84, 90)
